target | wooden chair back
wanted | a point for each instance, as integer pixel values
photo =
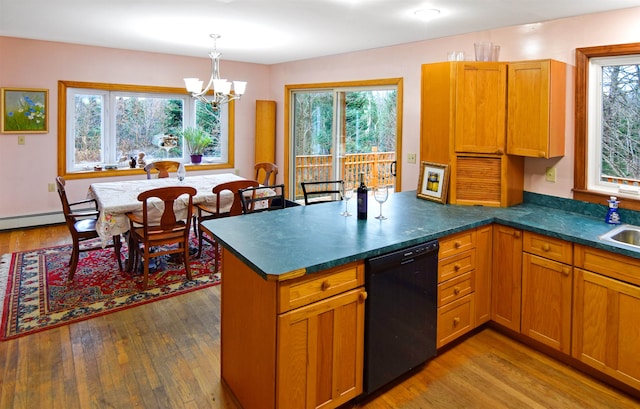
(262, 198)
(160, 232)
(163, 167)
(233, 187)
(267, 169)
(81, 222)
(321, 191)
(167, 224)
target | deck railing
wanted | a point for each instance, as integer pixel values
(375, 165)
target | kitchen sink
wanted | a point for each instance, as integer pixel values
(624, 234)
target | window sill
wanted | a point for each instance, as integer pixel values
(106, 173)
(631, 203)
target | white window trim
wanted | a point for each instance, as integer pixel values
(594, 126)
(108, 125)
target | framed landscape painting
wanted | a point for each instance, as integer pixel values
(433, 182)
(24, 110)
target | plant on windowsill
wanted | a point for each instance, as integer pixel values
(196, 140)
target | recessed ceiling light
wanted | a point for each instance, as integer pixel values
(426, 14)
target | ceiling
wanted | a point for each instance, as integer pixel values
(271, 31)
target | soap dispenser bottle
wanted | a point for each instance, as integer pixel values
(613, 217)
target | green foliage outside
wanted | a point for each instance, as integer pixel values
(140, 124)
(621, 121)
(370, 121)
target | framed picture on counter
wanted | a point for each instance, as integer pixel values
(24, 110)
(433, 182)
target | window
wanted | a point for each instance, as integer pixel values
(607, 124)
(107, 124)
(338, 130)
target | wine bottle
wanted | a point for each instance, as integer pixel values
(362, 199)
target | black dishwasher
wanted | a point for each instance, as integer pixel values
(400, 313)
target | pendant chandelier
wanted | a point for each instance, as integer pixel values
(218, 91)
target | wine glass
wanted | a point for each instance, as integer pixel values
(347, 193)
(381, 193)
(182, 172)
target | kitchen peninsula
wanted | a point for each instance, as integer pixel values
(292, 312)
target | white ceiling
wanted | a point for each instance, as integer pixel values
(271, 31)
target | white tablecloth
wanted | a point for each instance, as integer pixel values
(115, 199)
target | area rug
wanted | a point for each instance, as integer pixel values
(35, 295)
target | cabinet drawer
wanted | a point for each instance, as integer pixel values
(455, 319)
(609, 264)
(548, 247)
(456, 265)
(456, 288)
(457, 243)
(305, 290)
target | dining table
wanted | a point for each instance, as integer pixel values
(116, 199)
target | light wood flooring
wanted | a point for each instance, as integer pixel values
(167, 355)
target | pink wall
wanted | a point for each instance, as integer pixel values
(26, 170)
(556, 39)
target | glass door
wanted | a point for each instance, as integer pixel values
(339, 133)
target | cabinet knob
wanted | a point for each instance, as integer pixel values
(325, 285)
(456, 290)
(542, 154)
(517, 234)
(456, 321)
(499, 152)
(363, 296)
(566, 271)
(546, 247)
(456, 267)
(457, 244)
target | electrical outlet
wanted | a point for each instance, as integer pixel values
(51, 187)
(411, 158)
(21, 140)
(550, 174)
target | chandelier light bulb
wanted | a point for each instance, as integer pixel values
(218, 91)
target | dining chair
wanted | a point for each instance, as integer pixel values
(163, 232)
(321, 191)
(81, 222)
(262, 198)
(267, 169)
(208, 211)
(163, 167)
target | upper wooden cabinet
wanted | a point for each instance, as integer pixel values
(536, 108)
(481, 91)
(463, 124)
(463, 109)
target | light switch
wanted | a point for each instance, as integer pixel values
(21, 140)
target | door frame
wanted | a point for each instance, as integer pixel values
(289, 89)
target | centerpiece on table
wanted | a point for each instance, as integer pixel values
(196, 140)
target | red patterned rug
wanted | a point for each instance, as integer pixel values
(34, 294)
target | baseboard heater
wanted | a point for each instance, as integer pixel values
(31, 220)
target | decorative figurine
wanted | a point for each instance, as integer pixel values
(132, 162)
(141, 162)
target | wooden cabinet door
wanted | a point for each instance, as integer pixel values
(506, 276)
(546, 301)
(481, 92)
(320, 351)
(606, 329)
(484, 260)
(536, 108)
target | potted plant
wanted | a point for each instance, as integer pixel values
(196, 140)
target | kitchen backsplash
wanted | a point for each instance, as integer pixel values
(598, 211)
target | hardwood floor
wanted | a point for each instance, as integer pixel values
(167, 355)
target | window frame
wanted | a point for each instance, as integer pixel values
(63, 86)
(341, 86)
(581, 189)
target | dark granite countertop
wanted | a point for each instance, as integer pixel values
(307, 239)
